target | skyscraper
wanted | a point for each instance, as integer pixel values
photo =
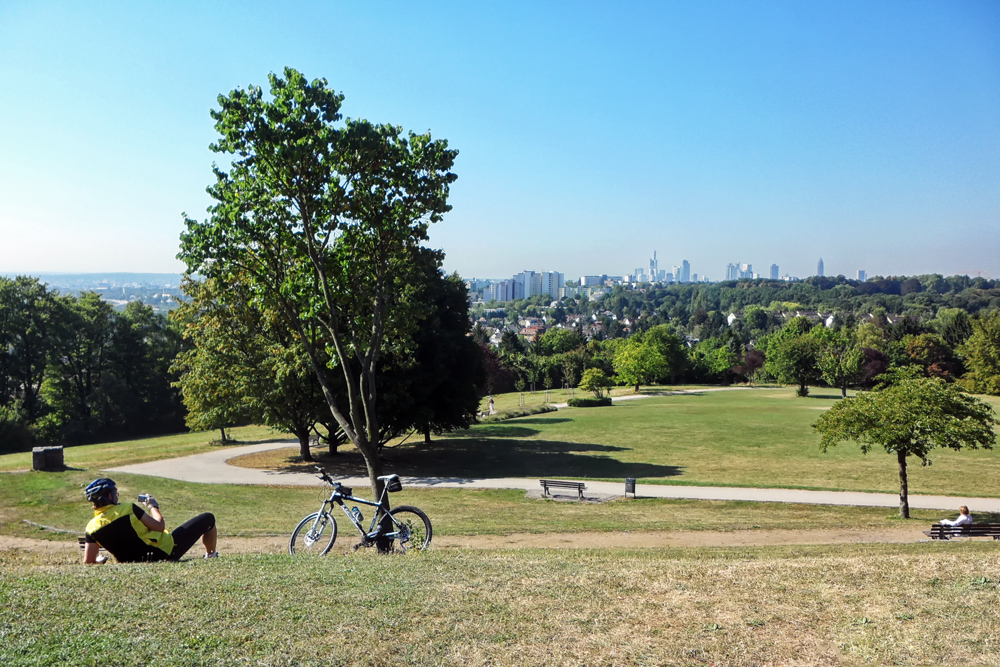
(685, 271)
(653, 267)
(774, 272)
(819, 268)
(732, 273)
(862, 276)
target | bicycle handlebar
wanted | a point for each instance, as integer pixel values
(326, 478)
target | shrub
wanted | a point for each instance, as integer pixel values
(517, 412)
(589, 402)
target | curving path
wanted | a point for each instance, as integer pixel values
(212, 468)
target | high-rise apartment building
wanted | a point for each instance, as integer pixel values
(551, 283)
(819, 268)
(746, 270)
(774, 272)
(732, 272)
(685, 271)
(862, 276)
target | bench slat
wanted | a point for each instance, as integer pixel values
(562, 484)
(944, 532)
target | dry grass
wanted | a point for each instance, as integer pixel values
(902, 604)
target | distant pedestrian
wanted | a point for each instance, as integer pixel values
(963, 517)
(492, 410)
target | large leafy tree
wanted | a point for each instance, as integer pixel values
(323, 220)
(27, 337)
(636, 362)
(792, 355)
(840, 361)
(910, 418)
(245, 365)
(436, 386)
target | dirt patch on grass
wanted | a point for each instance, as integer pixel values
(581, 540)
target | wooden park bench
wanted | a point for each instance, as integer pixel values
(561, 484)
(940, 531)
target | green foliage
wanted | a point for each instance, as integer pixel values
(982, 354)
(323, 222)
(792, 355)
(589, 402)
(245, 365)
(596, 381)
(840, 360)
(656, 355)
(910, 418)
(73, 370)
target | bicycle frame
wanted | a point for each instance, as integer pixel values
(374, 531)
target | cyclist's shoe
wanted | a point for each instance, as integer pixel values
(214, 554)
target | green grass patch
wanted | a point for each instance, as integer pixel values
(56, 500)
(887, 604)
(111, 454)
(746, 437)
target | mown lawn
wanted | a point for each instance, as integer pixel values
(111, 454)
(56, 500)
(743, 437)
(881, 604)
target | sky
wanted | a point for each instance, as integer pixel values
(590, 134)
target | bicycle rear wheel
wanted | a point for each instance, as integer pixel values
(412, 528)
(314, 536)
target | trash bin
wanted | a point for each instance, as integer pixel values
(48, 459)
(630, 486)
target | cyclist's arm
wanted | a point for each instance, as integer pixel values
(151, 518)
(90, 551)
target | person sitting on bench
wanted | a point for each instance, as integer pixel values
(135, 534)
(963, 518)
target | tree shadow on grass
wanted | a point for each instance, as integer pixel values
(505, 431)
(536, 420)
(259, 441)
(469, 458)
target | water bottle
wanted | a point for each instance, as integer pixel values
(357, 515)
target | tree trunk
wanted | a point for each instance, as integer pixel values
(637, 388)
(904, 502)
(223, 431)
(304, 451)
(843, 390)
(374, 464)
(427, 435)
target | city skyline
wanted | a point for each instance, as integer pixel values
(868, 134)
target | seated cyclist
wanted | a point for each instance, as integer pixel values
(132, 533)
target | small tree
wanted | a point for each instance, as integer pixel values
(595, 380)
(910, 419)
(792, 359)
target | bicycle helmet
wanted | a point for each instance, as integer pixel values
(102, 489)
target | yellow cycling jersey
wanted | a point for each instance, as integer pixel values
(118, 529)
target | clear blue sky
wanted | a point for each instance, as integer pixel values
(590, 134)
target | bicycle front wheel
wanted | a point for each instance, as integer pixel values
(411, 528)
(314, 535)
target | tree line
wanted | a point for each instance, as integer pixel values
(73, 370)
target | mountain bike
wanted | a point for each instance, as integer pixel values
(402, 529)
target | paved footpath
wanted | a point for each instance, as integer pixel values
(212, 468)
